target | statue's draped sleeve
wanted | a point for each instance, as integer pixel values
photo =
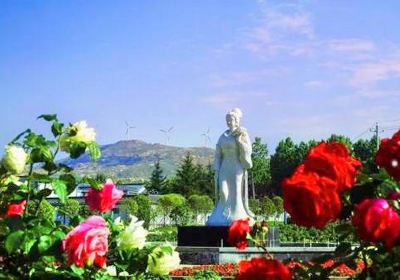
(245, 150)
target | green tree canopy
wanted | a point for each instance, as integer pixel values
(168, 202)
(260, 173)
(342, 139)
(268, 207)
(129, 206)
(157, 179)
(200, 204)
(145, 212)
(186, 177)
(365, 150)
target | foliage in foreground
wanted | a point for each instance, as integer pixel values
(34, 245)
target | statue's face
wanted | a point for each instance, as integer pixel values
(232, 122)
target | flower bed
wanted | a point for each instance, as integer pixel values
(231, 269)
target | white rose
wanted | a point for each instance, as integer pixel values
(161, 262)
(15, 159)
(77, 132)
(134, 236)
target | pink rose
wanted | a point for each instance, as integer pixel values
(16, 208)
(87, 243)
(105, 199)
(376, 220)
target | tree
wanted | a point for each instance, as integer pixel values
(287, 157)
(365, 151)
(283, 162)
(157, 180)
(204, 182)
(186, 177)
(169, 202)
(144, 212)
(342, 139)
(181, 215)
(255, 206)
(268, 207)
(260, 173)
(278, 203)
(129, 206)
(200, 204)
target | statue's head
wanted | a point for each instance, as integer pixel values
(233, 118)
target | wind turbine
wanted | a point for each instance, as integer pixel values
(128, 128)
(167, 133)
(207, 139)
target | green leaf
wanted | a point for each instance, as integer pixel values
(64, 167)
(45, 243)
(93, 183)
(41, 154)
(28, 243)
(15, 222)
(58, 234)
(49, 166)
(14, 241)
(57, 128)
(70, 181)
(167, 250)
(343, 249)
(94, 151)
(77, 270)
(43, 193)
(77, 149)
(48, 117)
(60, 188)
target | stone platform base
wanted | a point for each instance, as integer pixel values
(213, 255)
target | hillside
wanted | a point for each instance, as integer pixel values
(135, 158)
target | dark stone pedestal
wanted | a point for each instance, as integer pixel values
(203, 236)
(216, 236)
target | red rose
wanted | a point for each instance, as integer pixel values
(333, 160)
(259, 268)
(16, 208)
(87, 243)
(388, 155)
(310, 199)
(238, 232)
(105, 199)
(376, 220)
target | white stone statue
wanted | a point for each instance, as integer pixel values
(232, 159)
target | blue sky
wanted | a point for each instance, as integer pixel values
(303, 69)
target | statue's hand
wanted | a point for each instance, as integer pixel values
(240, 132)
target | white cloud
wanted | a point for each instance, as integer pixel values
(372, 72)
(279, 32)
(229, 99)
(351, 45)
(316, 84)
(298, 22)
(246, 77)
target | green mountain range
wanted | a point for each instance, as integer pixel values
(135, 159)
